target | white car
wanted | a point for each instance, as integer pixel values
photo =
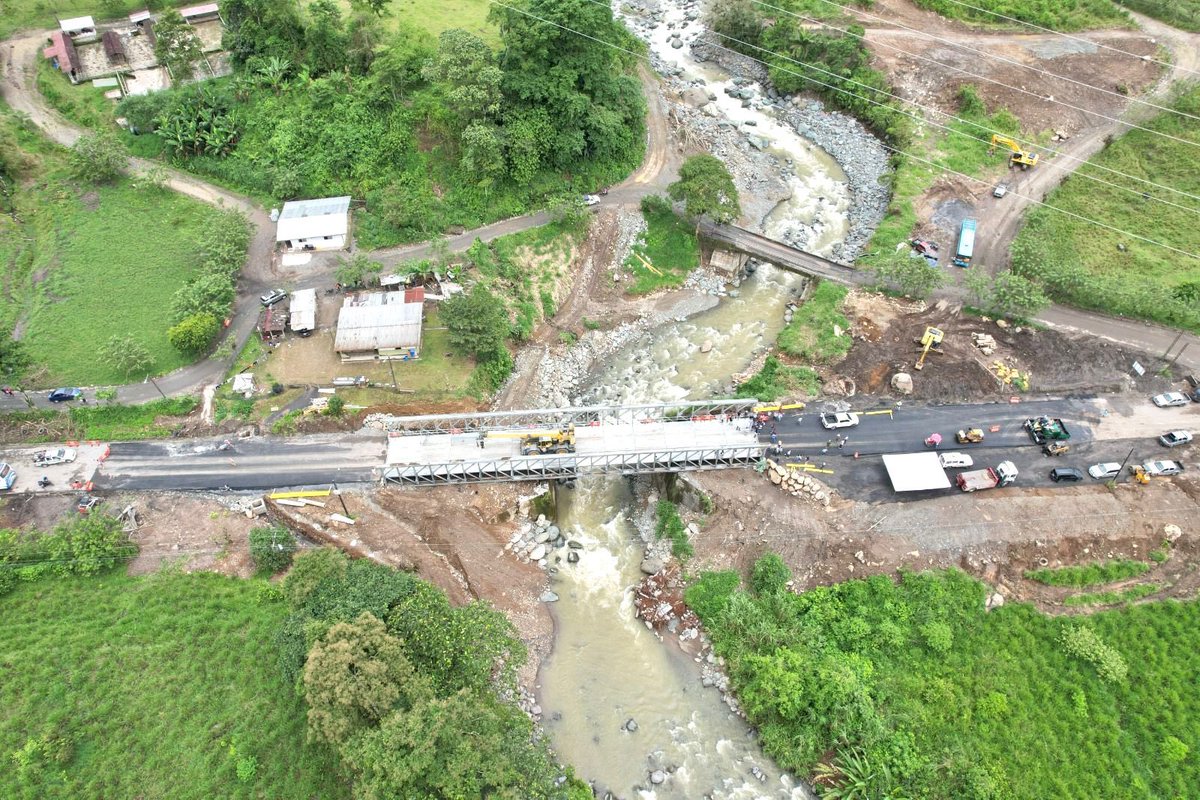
(1109, 469)
(1175, 438)
(591, 200)
(956, 460)
(1170, 399)
(1000, 190)
(58, 455)
(841, 419)
(1162, 467)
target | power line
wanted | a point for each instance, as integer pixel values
(885, 146)
(965, 122)
(993, 56)
(968, 122)
(1069, 36)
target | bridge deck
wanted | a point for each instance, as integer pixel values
(629, 448)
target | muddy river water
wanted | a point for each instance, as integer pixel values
(622, 707)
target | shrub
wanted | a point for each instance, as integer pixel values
(938, 636)
(709, 596)
(86, 544)
(97, 157)
(1082, 642)
(336, 406)
(1172, 751)
(670, 525)
(1088, 574)
(993, 705)
(271, 548)
(770, 575)
(194, 334)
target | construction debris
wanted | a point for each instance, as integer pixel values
(985, 342)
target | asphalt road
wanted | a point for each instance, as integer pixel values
(904, 431)
(261, 463)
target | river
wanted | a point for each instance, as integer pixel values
(607, 668)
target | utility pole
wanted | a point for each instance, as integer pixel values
(392, 369)
(338, 494)
(160, 391)
(1123, 463)
(1171, 346)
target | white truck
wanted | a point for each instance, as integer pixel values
(976, 480)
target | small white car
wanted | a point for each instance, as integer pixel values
(956, 460)
(1162, 467)
(841, 419)
(57, 455)
(1105, 471)
(1000, 190)
(1170, 399)
(591, 200)
(1175, 438)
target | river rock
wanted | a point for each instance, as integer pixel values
(995, 600)
(706, 346)
(574, 545)
(573, 557)
(537, 553)
(631, 725)
(652, 564)
(657, 777)
(553, 531)
(548, 597)
(541, 536)
(1172, 532)
(676, 43)
(902, 382)
(541, 520)
(695, 97)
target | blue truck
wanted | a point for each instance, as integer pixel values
(966, 244)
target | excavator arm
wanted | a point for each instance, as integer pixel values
(1020, 156)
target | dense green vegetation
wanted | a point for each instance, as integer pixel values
(669, 525)
(832, 64)
(811, 335)
(407, 689)
(83, 263)
(169, 667)
(1088, 574)
(1183, 14)
(668, 243)
(913, 690)
(1059, 15)
(776, 380)
(99, 422)
(1112, 598)
(431, 134)
(1091, 267)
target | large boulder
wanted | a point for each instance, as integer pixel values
(695, 97)
(902, 383)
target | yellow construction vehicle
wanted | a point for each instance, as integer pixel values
(931, 337)
(1020, 157)
(541, 442)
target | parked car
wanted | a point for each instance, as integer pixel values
(1105, 471)
(272, 297)
(65, 394)
(591, 200)
(57, 455)
(840, 419)
(8, 476)
(1170, 399)
(1162, 467)
(1175, 438)
(1195, 395)
(956, 460)
(1065, 474)
(1000, 190)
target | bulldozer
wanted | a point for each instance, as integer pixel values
(1020, 156)
(541, 442)
(969, 436)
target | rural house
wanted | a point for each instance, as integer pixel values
(322, 224)
(380, 325)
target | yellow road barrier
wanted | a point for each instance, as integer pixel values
(293, 495)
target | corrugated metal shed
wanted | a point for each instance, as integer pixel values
(199, 11)
(139, 16)
(64, 50)
(307, 219)
(303, 309)
(77, 25)
(378, 321)
(113, 48)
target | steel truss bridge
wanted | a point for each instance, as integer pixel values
(623, 440)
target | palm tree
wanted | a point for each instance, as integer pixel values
(273, 70)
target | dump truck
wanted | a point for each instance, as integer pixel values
(976, 480)
(1045, 429)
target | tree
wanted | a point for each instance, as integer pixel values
(397, 66)
(272, 71)
(310, 569)
(262, 29)
(706, 189)
(86, 544)
(979, 286)
(210, 294)
(194, 334)
(476, 321)
(271, 548)
(97, 157)
(14, 358)
(465, 70)
(357, 270)
(336, 406)
(1016, 296)
(914, 277)
(377, 7)
(176, 46)
(770, 575)
(364, 35)
(354, 676)
(126, 355)
(740, 20)
(325, 38)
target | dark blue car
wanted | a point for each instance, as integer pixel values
(63, 395)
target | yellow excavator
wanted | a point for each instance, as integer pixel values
(541, 442)
(1020, 156)
(932, 337)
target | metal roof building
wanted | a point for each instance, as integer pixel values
(78, 27)
(314, 224)
(303, 310)
(380, 325)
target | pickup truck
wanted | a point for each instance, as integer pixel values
(976, 480)
(1045, 429)
(57, 455)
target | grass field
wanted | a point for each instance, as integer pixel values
(776, 380)
(669, 244)
(1093, 267)
(18, 15)
(86, 263)
(96, 421)
(810, 336)
(1183, 14)
(1057, 15)
(84, 104)
(152, 687)
(919, 692)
